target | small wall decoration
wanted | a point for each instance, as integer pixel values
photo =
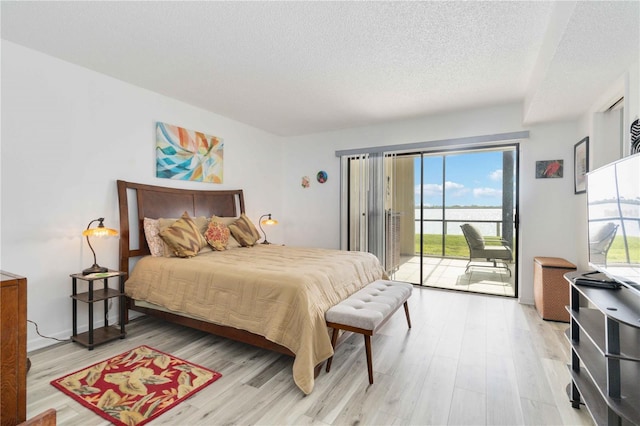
(322, 176)
(188, 155)
(306, 182)
(580, 165)
(549, 169)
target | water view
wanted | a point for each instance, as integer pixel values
(456, 217)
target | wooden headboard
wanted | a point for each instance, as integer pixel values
(139, 201)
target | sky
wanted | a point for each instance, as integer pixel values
(471, 179)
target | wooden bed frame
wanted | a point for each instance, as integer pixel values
(160, 202)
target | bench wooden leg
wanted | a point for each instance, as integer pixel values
(367, 347)
(334, 339)
(406, 311)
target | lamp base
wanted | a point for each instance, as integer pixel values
(266, 242)
(94, 270)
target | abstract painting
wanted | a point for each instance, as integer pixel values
(188, 155)
(549, 169)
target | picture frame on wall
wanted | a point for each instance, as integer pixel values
(580, 165)
(549, 169)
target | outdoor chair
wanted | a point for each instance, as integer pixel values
(497, 252)
(600, 243)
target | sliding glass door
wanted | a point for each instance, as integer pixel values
(409, 210)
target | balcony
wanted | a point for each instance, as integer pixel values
(449, 273)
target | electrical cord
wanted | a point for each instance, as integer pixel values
(47, 337)
(63, 340)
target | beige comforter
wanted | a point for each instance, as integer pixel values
(278, 292)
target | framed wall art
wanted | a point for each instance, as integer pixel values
(322, 176)
(548, 169)
(580, 165)
(188, 155)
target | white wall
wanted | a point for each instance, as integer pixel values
(67, 135)
(547, 207)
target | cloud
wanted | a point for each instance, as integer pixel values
(433, 189)
(453, 185)
(455, 189)
(429, 189)
(496, 175)
(487, 193)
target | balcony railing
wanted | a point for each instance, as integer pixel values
(452, 244)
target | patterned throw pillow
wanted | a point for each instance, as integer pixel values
(183, 237)
(217, 235)
(233, 243)
(244, 231)
(200, 221)
(152, 235)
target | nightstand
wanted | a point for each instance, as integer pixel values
(106, 333)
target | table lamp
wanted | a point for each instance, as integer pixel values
(268, 221)
(99, 231)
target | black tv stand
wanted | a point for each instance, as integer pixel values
(605, 356)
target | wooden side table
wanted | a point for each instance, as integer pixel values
(92, 337)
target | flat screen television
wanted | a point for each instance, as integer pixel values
(613, 200)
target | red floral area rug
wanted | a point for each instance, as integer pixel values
(136, 386)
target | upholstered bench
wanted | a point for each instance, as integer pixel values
(366, 311)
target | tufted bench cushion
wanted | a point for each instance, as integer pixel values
(367, 310)
(368, 307)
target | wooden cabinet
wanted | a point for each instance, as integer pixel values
(605, 352)
(13, 349)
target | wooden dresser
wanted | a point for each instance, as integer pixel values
(13, 349)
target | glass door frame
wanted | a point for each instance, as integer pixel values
(460, 150)
(347, 198)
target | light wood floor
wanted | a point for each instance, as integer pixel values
(468, 360)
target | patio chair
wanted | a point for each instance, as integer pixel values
(499, 253)
(601, 242)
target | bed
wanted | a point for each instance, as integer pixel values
(269, 296)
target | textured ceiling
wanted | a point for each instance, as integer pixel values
(292, 68)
